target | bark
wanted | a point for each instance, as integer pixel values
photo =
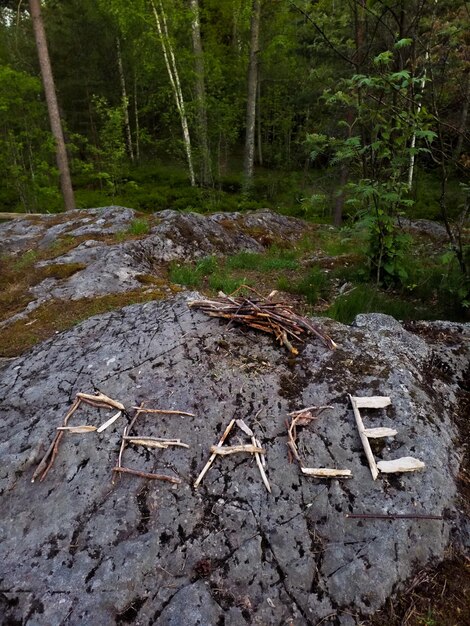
(125, 102)
(463, 120)
(136, 122)
(172, 70)
(206, 172)
(52, 106)
(258, 116)
(251, 99)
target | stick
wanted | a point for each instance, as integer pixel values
(100, 397)
(392, 516)
(46, 463)
(365, 442)
(142, 410)
(258, 457)
(226, 450)
(127, 470)
(85, 428)
(212, 457)
(325, 472)
(152, 442)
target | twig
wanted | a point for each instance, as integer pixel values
(163, 411)
(392, 516)
(365, 442)
(49, 458)
(226, 450)
(258, 458)
(127, 470)
(84, 428)
(154, 442)
(100, 397)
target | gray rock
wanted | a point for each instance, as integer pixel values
(77, 547)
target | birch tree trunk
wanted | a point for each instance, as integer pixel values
(172, 70)
(411, 167)
(206, 170)
(251, 99)
(52, 106)
(125, 101)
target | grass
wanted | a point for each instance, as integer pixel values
(368, 299)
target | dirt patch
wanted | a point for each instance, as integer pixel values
(436, 596)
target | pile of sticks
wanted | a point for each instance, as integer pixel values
(276, 318)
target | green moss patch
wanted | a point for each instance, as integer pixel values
(53, 317)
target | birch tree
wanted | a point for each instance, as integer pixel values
(251, 99)
(125, 101)
(52, 106)
(170, 63)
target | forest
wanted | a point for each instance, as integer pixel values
(348, 113)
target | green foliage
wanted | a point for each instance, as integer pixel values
(368, 299)
(139, 227)
(381, 153)
(184, 275)
(227, 284)
(313, 285)
(29, 176)
(111, 153)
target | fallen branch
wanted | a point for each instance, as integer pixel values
(127, 470)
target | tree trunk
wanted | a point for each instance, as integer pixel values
(170, 63)
(463, 120)
(411, 167)
(136, 122)
(258, 116)
(251, 100)
(125, 101)
(52, 106)
(206, 173)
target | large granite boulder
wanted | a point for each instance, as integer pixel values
(78, 549)
(106, 266)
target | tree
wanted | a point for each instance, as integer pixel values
(170, 62)
(251, 98)
(52, 105)
(206, 170)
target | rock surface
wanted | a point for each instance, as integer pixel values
(78, 549)
(115, 267)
